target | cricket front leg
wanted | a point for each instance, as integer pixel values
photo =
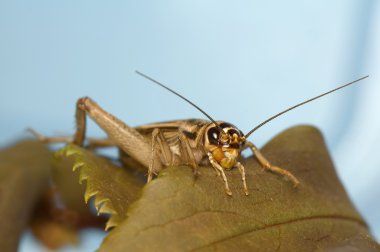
(126, 138)
(215, 164)
(268, 166)
(242, 172)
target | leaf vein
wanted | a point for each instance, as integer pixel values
(344, 218)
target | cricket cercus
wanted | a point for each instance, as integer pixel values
(181, 142)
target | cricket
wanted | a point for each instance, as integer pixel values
(191, 142)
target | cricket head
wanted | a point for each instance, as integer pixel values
(225, 142)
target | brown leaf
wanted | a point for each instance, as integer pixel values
(179, 213)
(24, 172)
(54, 235)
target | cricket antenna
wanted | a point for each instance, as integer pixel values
(300, 104)
(174, 92)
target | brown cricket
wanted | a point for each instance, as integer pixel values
(192, 142)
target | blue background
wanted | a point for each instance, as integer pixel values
(241, 61)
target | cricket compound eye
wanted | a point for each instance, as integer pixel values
(213, 135)
(216, 138)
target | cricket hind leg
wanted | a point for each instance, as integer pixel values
(269, 167)
(45, 139)
(92, 143)
(125, 137)
(80, 133)
(95, 143)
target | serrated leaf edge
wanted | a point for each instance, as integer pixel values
(103, 205)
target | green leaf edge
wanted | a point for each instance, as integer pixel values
(103, 205)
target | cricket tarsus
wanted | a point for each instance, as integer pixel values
(302, 103)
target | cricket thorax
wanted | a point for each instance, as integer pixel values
(224, 143)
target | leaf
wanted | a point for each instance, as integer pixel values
(24, 173)
(61, 211)
(66, 183)
(179, 213)
(112, 187)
